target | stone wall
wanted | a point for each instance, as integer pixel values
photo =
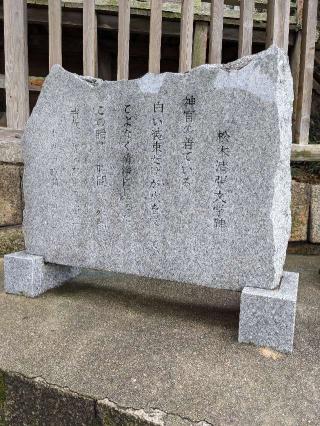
(11, 200)
(305, 208)
(305, 200)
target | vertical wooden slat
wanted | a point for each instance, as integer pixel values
(55, 33)
(246, 26)
(270, 22)
(295, 70)
(278, 23)
(155, 36)
(16, 62)
(216, 31)
(186, 36)
(306, 71)
(299, 12)
(200, 40)
(123, 39)
(90, 56)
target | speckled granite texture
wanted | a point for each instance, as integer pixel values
(267, 317)
(28, 274)
(183, 177)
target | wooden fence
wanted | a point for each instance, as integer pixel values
(193, 47)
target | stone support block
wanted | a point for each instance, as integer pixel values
(29, 275)
(267, 317)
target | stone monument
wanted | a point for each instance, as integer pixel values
(181, 177)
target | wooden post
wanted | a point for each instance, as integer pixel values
(155, 36)
(299, 12)
(123, 39)
(186, 33)
(306, 71)
(90, 56)
(200, 40)
(278, 23)
(246, 27)
(16, 62)
(55, 33)
(216, 31)
(295, 70)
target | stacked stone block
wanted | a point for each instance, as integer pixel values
(11, 200)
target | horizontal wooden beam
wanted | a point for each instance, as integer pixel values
(310, 152)
(171, 9)
(138, 24)
(35, 83)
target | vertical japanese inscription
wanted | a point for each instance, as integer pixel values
(156, 158)
(100, 138)
(188, 139)
(76, 179)
(100, 122)
(221, 178)
(127, 155)
(75, 117)
(101, 175)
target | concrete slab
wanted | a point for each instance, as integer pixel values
(159, 352)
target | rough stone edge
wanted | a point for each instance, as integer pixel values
(107, 412)
(235, 65)
(281, 221)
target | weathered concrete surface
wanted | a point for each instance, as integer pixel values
(148, 345)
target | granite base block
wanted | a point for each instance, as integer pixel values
(267, 317)
(29, 275)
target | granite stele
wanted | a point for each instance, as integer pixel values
(181, 177)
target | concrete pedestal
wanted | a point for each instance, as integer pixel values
(267, 317)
